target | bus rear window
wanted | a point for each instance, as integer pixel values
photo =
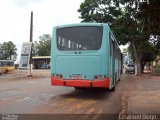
(79, 38)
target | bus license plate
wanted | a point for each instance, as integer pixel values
(77, 77)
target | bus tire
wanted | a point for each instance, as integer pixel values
(112, 89)
(78, 88)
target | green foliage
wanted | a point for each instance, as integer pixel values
(125, 50)
(43, 46)
(149, 12)
(147, 51)
(99, 11)
(8, 51)
(132, 22)
(129, 19)
(156, 70)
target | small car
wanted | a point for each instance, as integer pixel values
(130, 68)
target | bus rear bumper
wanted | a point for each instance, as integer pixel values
(80, 83)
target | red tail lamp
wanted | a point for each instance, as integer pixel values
(99, 76)
(61, 76)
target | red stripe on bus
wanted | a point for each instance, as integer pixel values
(80, 83)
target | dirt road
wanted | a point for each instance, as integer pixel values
(133, 94)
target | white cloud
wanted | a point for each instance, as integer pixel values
(24, 3)
(15, 18)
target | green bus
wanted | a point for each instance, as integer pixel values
(85, 55)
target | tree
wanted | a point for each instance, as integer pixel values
(148, 53)
(43, 46)
(125, 50)
(128, 23)
(1, 52)
(99, 11)
(8, 51)
(145, 22)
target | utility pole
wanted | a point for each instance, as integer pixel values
(30, 40)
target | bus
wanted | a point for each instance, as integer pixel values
(85, 55)
(6, 66)
(41, 62)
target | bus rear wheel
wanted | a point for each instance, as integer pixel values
(112, 89)
(78, 88)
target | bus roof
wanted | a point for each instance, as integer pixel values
(81, 24)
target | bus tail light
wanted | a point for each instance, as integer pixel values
(95, 77)
(61, 76)
(98, 77)
(57, 75)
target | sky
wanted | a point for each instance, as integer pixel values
(15, 18)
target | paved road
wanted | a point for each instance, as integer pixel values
(37, 96)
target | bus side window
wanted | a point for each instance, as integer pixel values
(10, 64)
(3, 63)
(116, 55)
(114, 49)
(111, 48)
(111, 44)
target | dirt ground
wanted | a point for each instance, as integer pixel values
(143, 96)
(22, 74)
(133, 94)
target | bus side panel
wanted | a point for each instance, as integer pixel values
(105, 50)
(112, 61)
(115, 63)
